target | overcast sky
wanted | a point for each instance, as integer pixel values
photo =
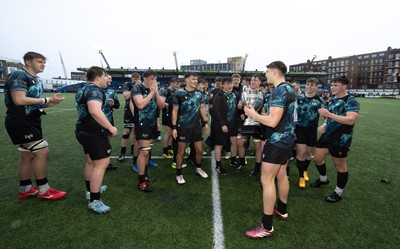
(143, 34)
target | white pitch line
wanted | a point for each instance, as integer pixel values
(219, 238)
(64, 110)
(160, 157)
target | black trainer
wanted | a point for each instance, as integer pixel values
(149, 178)
(145, 187)
(233, 163)
(318, 183)
(254, 173)
(121, 157)
(334, 197)
(239, 168)
(111, 167)
(220, 170)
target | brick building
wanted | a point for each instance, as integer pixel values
(376, 70)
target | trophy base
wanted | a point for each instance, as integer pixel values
(250, 130)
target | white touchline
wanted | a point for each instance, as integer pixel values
(218, 242)
(62, 110)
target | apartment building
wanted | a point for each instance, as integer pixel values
(376, 70)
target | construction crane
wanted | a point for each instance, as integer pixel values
(104, 58)
(62, 63)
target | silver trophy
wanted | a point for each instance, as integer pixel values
(255, 99)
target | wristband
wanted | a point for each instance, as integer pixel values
(173, 127)
(204, 122)
(43, 101)
(46, 100)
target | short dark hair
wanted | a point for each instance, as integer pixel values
(149, 72)
(188, 74)
(248, 79)
(341, 79)
(313, 81)
(95, 72)
(278, 65)
(226, 80)
(28, 56)
(257, 76)
(172, 80)
(135, 75)
(219, 79)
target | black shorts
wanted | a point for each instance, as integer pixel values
(189, 135)
(128, 119)
(146, 133)
(24, 130)
(306, 135)
(274, 154)
(221, 138)
(98, 147)
(334, 150)
(166, 120)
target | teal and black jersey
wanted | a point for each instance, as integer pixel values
(266, 129)
(128, 87)
(167, 95)
(284, 96)
(189, 104)
(21, 80)
(231, 101)
(308, 110)
(86, 125)
(266, 97)
(225, 109)
(336, 133)
(146, 117)
(107, 108)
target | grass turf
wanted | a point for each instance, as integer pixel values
(181, 216)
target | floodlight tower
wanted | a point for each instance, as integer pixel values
(176, 60)
(104, 58)
(62, 63)
(244, 61)
(309, 63)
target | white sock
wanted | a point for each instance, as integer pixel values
(339, 191)
(24, 189)
(323, 178)
(43, 188)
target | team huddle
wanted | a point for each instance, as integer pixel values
(287, 119)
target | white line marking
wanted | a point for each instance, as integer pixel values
(62, 110)
(160, 157)
(217, 214)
